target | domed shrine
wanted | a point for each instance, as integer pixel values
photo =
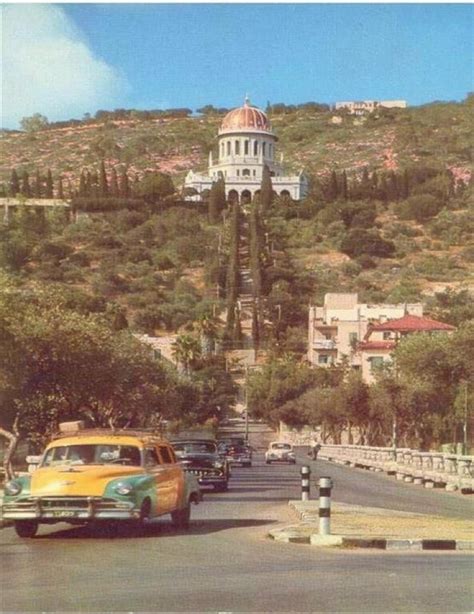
(246, 144)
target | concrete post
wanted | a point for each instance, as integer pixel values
(305, 473)
(325, 485)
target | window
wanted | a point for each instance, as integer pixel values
(237, 148)
(151, 457)
(352, 338)
(264, 147)
(255, 148)
(165, 455)
(323, 359)
(238, 173)
(246, 148)
(246, 172)
(228, 148)
(386, 335)
(376, 362)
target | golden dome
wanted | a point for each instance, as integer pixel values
(245, 118)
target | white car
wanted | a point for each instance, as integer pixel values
(280, 452)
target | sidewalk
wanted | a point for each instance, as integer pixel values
(354, 526)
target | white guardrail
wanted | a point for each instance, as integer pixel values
(430, 469)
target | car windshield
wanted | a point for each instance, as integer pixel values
(92, 454)
(195, 447)
(281, 446)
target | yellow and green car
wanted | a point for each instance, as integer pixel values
(101, 476)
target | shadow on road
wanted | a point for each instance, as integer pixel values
(158, 528)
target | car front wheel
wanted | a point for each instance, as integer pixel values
(26, 528)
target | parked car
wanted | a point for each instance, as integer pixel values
(280, 452)
(200, 457)
(101, 476)
(239, 455)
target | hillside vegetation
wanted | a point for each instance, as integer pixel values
(389, 214)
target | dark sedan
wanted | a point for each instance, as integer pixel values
(200, 458)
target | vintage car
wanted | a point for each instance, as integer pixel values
(280, 452)
(101, 476)
(200, 457)
(239, 455)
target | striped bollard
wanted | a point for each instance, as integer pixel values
(305, 473)
(325, 485)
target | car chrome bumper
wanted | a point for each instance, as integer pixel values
(69, 508)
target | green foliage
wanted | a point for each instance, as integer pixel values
(156, 186)
(34, 123)
(57, 364)
(359, 241)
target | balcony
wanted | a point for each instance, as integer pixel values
(324, 344)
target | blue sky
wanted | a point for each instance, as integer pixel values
(66, 60)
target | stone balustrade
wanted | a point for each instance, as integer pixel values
(431, 469)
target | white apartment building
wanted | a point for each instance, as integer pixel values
(336, 328)
(368, 106)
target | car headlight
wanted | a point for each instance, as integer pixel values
(12, 488)
(123, 488)
(218, 465)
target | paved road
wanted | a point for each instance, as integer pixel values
(225, 563)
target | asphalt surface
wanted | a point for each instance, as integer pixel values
(225, 562)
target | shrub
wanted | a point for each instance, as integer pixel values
(359, 241)
(366, 262)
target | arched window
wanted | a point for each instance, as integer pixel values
(264, 146)
(246, 148)
(255, 148)
(237, 148)
(228, 148)
(246, 172)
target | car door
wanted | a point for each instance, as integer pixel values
(155, 468)
(172, 476)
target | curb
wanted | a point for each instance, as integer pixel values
(307, 532)
(291, 535)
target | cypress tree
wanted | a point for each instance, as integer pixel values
(102, 181)
(60, 189)
(114, 189)
(14, 183)
(344, 188)
(25, 185)
(405, 185)
(237, 329)
(333, 188)
(49, 184)
(213, 205)
(256, 248)
(37, 186)
(255, 326)
(83, 185)
(266, 190)
(124, 185)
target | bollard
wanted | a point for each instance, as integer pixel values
(325, 485)
(305, 473)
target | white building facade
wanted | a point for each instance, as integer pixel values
(336, 329)
(246, 144)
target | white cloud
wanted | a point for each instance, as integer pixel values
(48, 68)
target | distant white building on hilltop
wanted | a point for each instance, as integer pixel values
(368, 106)
(246, 144)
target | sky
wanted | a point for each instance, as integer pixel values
(65, 60)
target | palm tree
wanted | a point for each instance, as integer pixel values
(207, 328)
(186, 350)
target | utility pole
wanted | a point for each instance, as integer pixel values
(246, 405)
(466, 416)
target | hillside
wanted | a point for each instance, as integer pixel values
(161, 269)
(436, 135)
